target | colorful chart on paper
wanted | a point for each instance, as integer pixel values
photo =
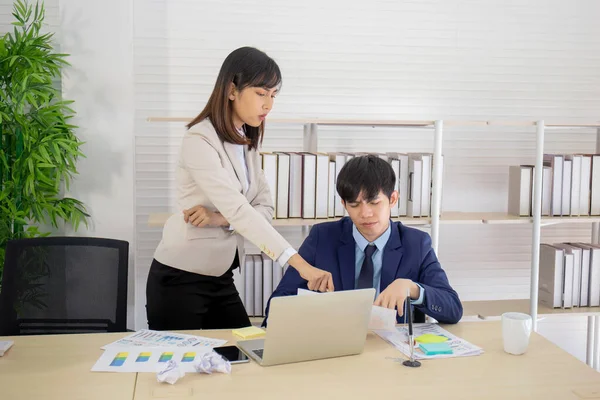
(149, 338)
(145, 359)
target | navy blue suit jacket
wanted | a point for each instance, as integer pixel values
(408, 254)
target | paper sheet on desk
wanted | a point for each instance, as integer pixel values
(147, 359)
(150, 338)
(399, 338)
(381, 318)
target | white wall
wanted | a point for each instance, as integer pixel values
(98, 35)
(100, 81)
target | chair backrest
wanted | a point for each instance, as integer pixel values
(64, 285)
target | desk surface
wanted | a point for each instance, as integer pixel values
(58, 367)
(544, 372)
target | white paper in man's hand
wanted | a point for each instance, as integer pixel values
(304, 292)
(381, 318)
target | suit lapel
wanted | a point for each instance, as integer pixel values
(232, 154)
(249, 156)
(347, 257)
(392, 255)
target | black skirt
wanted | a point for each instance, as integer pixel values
(179, 300)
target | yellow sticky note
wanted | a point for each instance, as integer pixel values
(250, 332)
(431, 338)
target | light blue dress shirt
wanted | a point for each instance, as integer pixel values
(380, 242)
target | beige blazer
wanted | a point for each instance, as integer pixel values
(209, 173)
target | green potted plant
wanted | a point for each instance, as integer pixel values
(38, 145)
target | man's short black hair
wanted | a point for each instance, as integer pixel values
(367, 174)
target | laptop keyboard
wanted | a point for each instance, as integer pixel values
(258, 352)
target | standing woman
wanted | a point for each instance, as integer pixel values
(224, 198)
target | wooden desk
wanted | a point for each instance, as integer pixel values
(544, 372)
(493, 309)
(57, 367)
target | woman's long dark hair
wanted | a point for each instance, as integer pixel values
(244, 67)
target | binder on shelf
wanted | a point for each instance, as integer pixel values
(550, 289)
(586, 178)
(575, 276)
(414, 186)
(580, 270)
(575, 183)
(309, 185)
(566, 187)
(520, 178)
(339, 159)
(594, 281)
(568, 280)
(258, 286)
(295, 195)
(322, 186)
(595, 186)
(261, 276)
(427, 163)
(555, 162)
(403, 182)
(269, 167)
(584, 274)
(593, 286)
(283, 185)
(546, 191)
(332, 191)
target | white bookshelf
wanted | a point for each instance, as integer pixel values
(487, 308)
(446, 218)
(493, 309)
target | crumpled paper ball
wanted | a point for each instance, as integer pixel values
(211, 362)
(170, 372)
(206, 363)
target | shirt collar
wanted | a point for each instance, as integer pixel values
(241, 131)
(380, 242)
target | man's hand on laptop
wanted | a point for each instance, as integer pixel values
(395, 294)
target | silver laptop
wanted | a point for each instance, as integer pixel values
(303, 328)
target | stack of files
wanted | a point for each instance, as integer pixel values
(570, 186)
(255, 281)
(569, 275)
(303, 184)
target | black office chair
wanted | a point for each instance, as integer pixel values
(57, 285)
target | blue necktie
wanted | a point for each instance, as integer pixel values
(365, 278)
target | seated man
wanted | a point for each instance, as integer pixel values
(368, 250)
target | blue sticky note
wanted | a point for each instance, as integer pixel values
(431, 349)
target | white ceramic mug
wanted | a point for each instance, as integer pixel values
(516, 329)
